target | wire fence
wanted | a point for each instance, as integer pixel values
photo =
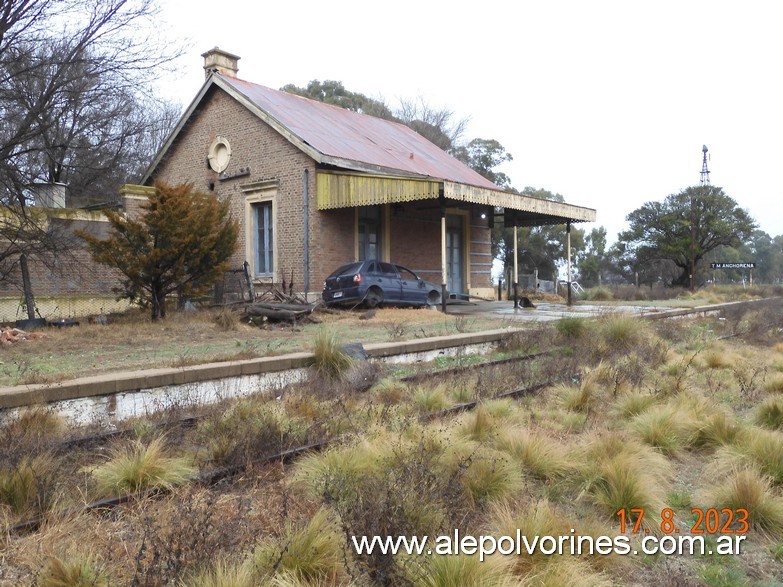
(235, 286)
(58, 308)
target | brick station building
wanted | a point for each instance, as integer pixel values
(315, 186)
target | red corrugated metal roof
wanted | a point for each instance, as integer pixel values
(344, 134)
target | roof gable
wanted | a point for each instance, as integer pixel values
(343, 134)
(336, 136)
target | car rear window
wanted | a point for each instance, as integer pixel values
(349, 269)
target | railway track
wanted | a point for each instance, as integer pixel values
(219, 474)
(216, 475)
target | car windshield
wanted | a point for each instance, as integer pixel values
(349, 269)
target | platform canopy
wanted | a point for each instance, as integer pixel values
(347, 190)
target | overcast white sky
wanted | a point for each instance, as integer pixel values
(605, 102)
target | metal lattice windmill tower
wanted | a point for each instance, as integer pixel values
(705, 173)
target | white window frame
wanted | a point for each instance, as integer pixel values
(252, 203)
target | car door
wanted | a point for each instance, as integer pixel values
(392, 290)
(412, 288)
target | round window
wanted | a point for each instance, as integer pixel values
(219, 154)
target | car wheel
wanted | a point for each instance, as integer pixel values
(373, 298)
(433, 298)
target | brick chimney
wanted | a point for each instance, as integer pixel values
(223, 62)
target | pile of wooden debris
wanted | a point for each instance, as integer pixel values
(275, 305)
(10, 335)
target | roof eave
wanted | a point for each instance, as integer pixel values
(177, 129)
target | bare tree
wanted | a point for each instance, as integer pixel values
(437, 125)
(74, 79)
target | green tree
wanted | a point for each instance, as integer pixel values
(180, 243)
(594, 261)
(334, 93)
(684, 228)
(541, 248)
(484, 156)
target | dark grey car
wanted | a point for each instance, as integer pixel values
(376, 282)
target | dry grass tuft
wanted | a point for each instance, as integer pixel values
(250, 429)
(82, 571)
(533, 520)
(537, 518)
(708, 425)
(390, 392)
(664, 428)
(428, 399)
(751, 490)
(632, 404)
(770, 413)
(774, 384)
(463, 570)
(226, 319)
(311, 553)
(540, 455)
(29, 485)
(572, 327)
(223, 574)
(329, 359)
(137, 466)
(718, 359)
(763, 448)
(620, 473)
(491, 476)
(478, 424)
(620, 333)
(580, 398)
(32, 428)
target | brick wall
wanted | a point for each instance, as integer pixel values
(271, 159)
(415, 235)
(72, 271)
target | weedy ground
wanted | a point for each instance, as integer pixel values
(131, 341)
(671, 414)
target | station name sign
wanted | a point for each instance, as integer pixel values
(733, 265)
